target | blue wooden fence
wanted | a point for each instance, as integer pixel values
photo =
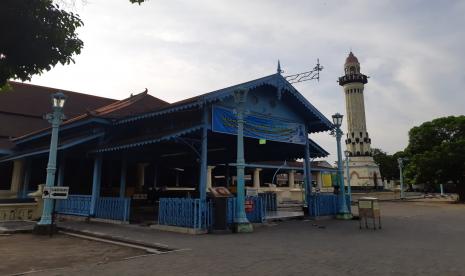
(114, 208)
(258, 214)
(78, 205)
(185, 212)
(325, 204)
(270, 200)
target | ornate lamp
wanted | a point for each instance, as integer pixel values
(343, 210)
(58, 100)
(337, 119)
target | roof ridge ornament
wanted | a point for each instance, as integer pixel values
(279, 68)
(313, 74)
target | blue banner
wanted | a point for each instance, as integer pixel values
(258, 126)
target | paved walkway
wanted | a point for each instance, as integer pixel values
(418, 238)
(9, 227)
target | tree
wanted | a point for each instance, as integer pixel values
(387, 164)
(436, 153)
(36, 35)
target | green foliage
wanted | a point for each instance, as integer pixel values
(437, 153)
(387, 163)
(36, 35)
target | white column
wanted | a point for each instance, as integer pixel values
(290, 178)
(256, 178)
(320, 180)
(209, 177)
(17, 177)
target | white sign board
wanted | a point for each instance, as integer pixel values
(55, 192)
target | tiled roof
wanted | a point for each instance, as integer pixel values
(23, 106)
(33, 100)
(6, 144)
(134, 105)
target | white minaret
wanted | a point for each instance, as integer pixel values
(363, 170)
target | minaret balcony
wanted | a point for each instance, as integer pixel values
(353, 78)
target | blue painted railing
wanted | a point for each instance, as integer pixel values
(270, 201)
(325, 204)
(258, 214)
(114, 208)
(185, 212)
(78, 205)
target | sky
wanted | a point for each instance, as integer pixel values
(411, 50)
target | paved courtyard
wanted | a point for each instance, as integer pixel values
(418, 237)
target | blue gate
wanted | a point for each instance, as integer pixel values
(77, 205)
(185, 212)
(325, 204)
(258, 214)
(114, 208)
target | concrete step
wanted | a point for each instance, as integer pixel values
(283, 215)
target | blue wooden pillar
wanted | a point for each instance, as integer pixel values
(203, 155)
(97, 177)
(122, 182)
(61, 171)
(308, 176)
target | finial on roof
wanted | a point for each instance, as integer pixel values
(351, 58)
(279, 68)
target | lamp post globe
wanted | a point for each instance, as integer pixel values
(337, 120)
(58, 100)
(343, 210)
(46, 225)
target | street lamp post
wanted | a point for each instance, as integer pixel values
(45, 225)
(400, 161)
(242, 224)
(349, 189)
(343, 212)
